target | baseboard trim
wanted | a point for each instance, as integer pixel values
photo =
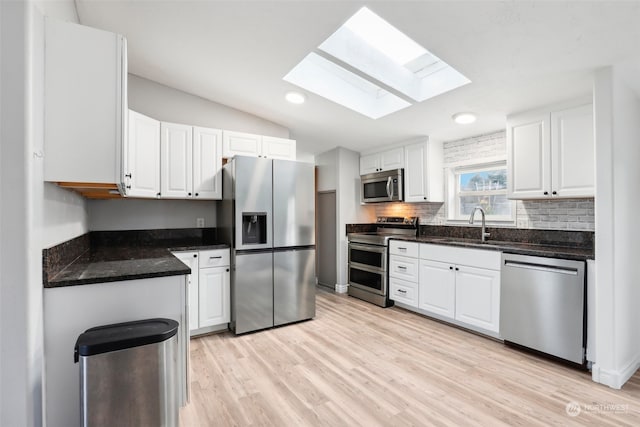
(615, 379)
(342, 289)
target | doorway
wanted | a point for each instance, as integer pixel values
(326, 239)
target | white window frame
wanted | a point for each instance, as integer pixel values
(453, 193)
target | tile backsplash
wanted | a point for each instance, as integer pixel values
(565, 214)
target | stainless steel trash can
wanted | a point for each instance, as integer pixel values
(128, 374)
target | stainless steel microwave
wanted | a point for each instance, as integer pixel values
(385, 186)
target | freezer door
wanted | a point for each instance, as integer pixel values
(294, 291)
(252, 292)
(293, 204)
(252, 192)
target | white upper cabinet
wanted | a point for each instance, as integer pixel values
(249, 144)
(423, 173)
(191, 162)
(85, 102)
(278, 148)
(382, 161)
(176, 176)
(142, 157)
(207, 163)
(550, 153)
(573, 152)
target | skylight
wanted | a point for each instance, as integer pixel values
(369, 52)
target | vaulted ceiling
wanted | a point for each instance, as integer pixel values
(518, 55)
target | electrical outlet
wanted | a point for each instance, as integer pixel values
(200, 222)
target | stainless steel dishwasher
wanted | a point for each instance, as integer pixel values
(542, 305)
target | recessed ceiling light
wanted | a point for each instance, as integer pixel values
(464, 118)
(295, 97)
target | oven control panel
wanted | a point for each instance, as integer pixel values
(398, 220)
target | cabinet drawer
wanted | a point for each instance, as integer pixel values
(214, 258)
(404, 268)
(480, 258)
(399, 247)
(403, 292)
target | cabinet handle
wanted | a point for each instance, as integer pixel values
(128, 187)
(196, 194)
(158, 195)
(227, 269)
(402, 267)
(402, 249)
(188, 194)
(457, 269)
(195, 255)
(450, 268)
(128, 175)
(554, 192)
(215, 257)
(402, 291)
(425, 198)
(546, 193)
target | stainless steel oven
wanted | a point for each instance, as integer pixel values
(368, 258)
(368, 267)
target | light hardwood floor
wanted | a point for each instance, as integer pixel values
(358, 364)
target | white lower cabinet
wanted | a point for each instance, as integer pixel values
(478, 297)
(459, 285)
(437, 291)
(213, 305)
(209, 289)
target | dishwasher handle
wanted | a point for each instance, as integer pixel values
(541, 267)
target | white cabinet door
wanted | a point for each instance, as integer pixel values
(478, 297)
(191, 260)
(176, 161)
(529, 156)
(369, 164)
(278, 148)
(436, 291)
(142, 157)
(392, 159)
(207, 163)
(415, 173)
(214, 304)
(572, 147)
(240, 143)
(85, 103)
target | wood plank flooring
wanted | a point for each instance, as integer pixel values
(356, 364)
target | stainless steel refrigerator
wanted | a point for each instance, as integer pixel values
(267, 216)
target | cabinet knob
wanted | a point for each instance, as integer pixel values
(128, 186)
(128, 175)
(196, 194)
(227, 269)
(554, 192)
(546, 193)
(188, 194)
(195, 255)
(450, 268)
(425, 198)
(457, 269)
(158, 195)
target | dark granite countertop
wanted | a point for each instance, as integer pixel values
(113, 257)
(520, 248)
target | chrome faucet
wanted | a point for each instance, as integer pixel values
(484, 232)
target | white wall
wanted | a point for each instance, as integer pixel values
(617, 112)
(339, 170)
(33, 215)
(349, 209)
(138, 214)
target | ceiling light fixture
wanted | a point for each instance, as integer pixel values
(295, 97)
(464, 118)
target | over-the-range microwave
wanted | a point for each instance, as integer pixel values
(382, 186)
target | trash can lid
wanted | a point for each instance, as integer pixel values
(119, 336)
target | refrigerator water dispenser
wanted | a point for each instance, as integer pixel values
(254, 228)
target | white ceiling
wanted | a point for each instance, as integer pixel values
(518, 55)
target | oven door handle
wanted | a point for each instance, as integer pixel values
(368, 248)
(389, 188)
